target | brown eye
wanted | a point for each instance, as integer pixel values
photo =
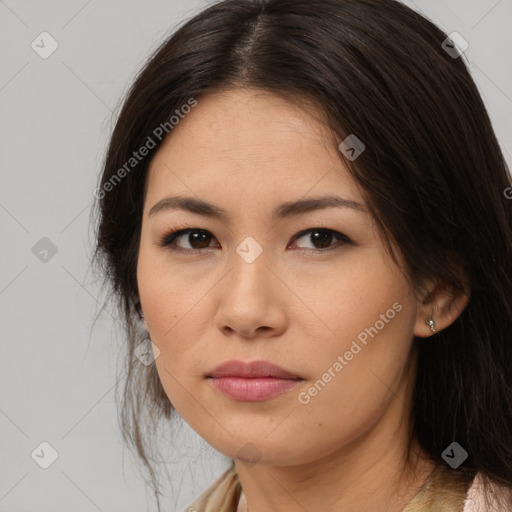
(189, 240)
(321, 238)
(195, 238)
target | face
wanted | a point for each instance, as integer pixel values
(270, 272)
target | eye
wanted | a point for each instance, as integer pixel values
(196, 239)
(322, 238)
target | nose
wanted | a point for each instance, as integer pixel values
(251, 300)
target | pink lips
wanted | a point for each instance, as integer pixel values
(252, 382)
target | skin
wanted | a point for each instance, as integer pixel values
(297, 305)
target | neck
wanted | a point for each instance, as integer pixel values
(384, 487)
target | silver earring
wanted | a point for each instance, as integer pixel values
(431, 324)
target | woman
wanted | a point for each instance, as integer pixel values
(304, 207)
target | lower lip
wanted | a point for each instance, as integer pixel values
(253, 390)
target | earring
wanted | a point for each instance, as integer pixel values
(431, 324)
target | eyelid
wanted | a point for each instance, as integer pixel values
(341, 238)
(170, 236)
(176, 232)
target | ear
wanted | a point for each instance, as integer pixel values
(441, 303)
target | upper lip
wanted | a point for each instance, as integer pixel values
(253, 369)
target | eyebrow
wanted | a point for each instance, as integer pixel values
(289, 209)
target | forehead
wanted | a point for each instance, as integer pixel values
(245, 140)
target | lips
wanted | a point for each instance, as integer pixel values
(252, 382)
(254, 369)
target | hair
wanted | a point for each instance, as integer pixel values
(433, 175)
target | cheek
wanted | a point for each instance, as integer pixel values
(370, 315)
(165, 293)
(361, 293)
(176, 316)
(355, 386)
(357, 369)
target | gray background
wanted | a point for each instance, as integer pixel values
(57, 373)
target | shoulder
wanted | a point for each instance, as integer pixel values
(499, 499)
(222, 496)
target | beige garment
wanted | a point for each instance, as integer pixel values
(226, 495)
(222, 496)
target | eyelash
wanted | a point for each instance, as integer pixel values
(171, 237)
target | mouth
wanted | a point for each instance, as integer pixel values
(256, 381)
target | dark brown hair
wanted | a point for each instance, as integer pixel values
(432, 171)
